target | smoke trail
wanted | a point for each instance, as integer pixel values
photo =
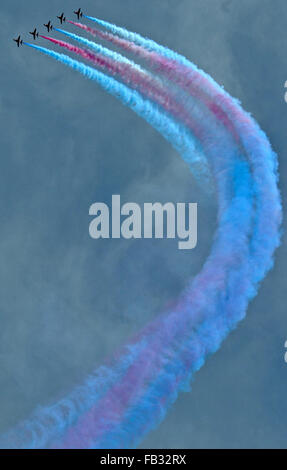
(218, 296)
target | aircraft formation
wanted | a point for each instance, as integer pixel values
(49, 26)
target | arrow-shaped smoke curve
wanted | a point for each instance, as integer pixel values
(124, 400)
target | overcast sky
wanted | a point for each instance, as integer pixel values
(67, 301)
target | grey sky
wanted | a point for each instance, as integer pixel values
(67, 301)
